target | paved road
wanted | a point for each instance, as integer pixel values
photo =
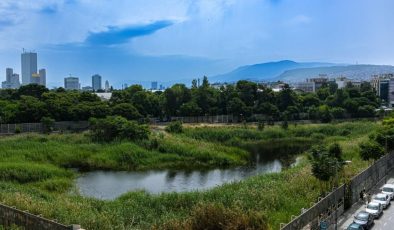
(385, 222)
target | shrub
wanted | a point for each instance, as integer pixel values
(285, 124)
(116, 127)
(175, 127)
(371, 150)
(261, 126)
(17, 129)
(47, 124)
(217, 217)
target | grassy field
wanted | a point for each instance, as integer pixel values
(36, 175)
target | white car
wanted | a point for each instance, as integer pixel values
(375, 209)
(389, 190)
(383, 199)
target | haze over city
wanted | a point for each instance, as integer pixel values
(171, 40)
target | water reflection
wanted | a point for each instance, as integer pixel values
(109, 185)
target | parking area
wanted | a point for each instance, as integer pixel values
(384, 222)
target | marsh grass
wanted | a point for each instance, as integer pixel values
(35, 175)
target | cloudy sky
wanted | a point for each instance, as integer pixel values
(128, 41)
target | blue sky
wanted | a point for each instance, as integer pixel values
(131, 41)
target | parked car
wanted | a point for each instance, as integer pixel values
(383, 199)
(364, 219)
(355, 226)
(375, 209)
(389, 190)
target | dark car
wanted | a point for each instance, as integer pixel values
(355, 226)
(364, 219)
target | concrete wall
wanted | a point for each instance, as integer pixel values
(12, 216)
(349, 193)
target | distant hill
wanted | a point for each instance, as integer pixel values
(291, 71)
(264, 71)
(357, 72)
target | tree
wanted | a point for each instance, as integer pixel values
(324, 165)
(371, 150)
(335, 150)
(33, 90)
(174, 127)
(286, 98)
(116, 128)
(126, 110)
(174, 97)
(366, 111)
(338, 112)
(324, 113)
(236, 106)
(47, 124)
(190, 109)
(30, 109)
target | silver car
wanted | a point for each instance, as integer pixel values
(375, 209)
(383, 199)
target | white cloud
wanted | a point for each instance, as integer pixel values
(298, 20)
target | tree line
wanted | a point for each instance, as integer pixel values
(32, 102)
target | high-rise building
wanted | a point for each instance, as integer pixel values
(29, 66)
(96, 82)
(153, 85)
(9, 73)
(15, 81)
(71, 83)
(106, 86)
(12, 80)
(35, 79)
(43, 75)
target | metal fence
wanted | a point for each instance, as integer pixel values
(334, 202)
(11, 216)
(207, 119)
(38, 127)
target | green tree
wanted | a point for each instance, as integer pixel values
(324, 113)
(174, 127)
(47, 124)
(371, 150)
(117, 128)
(190, 109)
(126, 110)
(33, 90)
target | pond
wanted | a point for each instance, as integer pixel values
(110, 184)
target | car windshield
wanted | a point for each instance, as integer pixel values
(362, 216)
(380, 198)
(373, 207)
(387, 189)
(353, 227)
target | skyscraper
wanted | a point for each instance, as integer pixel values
(153, 85)
(12, 80)
(106, 86)
(43, 76)
(71, 83)
(96, 82)
(9, 72)
(29, 66)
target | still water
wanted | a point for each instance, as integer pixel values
(110, 184)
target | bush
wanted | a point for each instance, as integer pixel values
(175, 127)
(116, 127)
(47, 124)
(261, 126)
(371, 150)
(285, 124)
(17, 129)
(217, 217)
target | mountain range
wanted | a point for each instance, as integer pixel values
(291, 71)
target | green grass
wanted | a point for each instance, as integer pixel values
(35, 175)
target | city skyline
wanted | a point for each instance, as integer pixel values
(175, 40)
